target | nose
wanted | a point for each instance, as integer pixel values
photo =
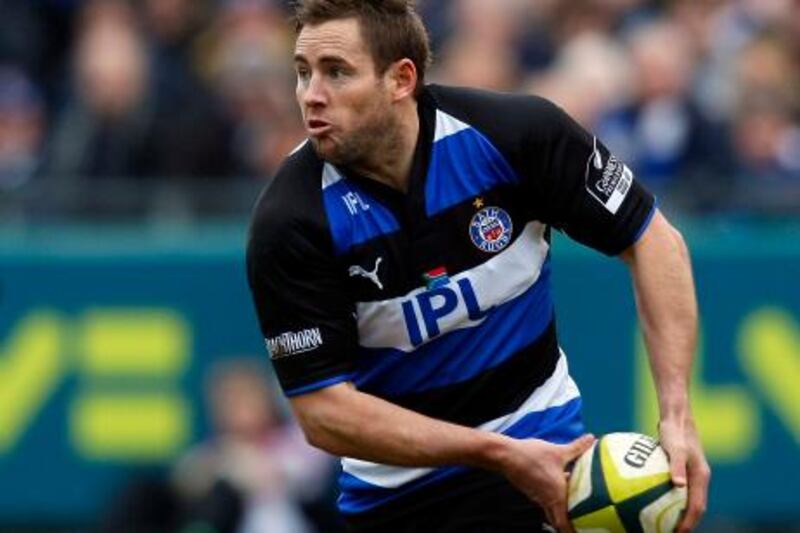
(313, 93)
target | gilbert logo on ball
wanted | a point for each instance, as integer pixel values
(622, 485)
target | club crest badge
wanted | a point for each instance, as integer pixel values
(491, 229)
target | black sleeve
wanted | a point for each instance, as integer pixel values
(579, 187)
(305, 315)
(570, 179)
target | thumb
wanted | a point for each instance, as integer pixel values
(575, 449)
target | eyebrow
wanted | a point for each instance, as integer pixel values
(328, 59)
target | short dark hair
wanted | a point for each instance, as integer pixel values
(392, 29)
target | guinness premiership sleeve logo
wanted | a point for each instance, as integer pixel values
(608, 180)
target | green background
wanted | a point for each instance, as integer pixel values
(86, 299)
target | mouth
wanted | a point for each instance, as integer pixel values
(317, 127)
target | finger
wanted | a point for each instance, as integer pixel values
(677, 464)
(575, 449)
(567, 525)
(549, 518)
(560, 520)
(697, 500)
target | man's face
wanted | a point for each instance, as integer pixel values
(345, 104)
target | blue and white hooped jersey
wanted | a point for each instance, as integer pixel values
(439, 299)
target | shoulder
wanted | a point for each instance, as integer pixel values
(290, 206)
(502, 114)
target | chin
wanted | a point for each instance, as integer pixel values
(328, 150)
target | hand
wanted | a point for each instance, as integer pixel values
(688, 466)
(538, 469)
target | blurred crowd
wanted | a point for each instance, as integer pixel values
(99, 97)
(253, 473)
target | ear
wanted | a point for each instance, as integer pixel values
(402, 79)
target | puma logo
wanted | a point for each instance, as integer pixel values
(357, 270)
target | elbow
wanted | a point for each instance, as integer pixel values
(325, 437)
(673, 242)
(313, 429)
(320, 439)
(320, 416)
(680, 244)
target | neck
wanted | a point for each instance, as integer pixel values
(393, 156)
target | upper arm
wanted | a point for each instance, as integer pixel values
(580, 187)
(305, 314)
(658, 240)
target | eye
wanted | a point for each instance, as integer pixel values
(336, 72)
(303, 73)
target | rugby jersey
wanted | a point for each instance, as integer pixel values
(439, 299)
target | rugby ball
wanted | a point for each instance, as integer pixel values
(622, 485)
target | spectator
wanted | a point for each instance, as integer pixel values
(245, 60)
(22, 42)
(22, 126)
(591, 60)
(482, 52)
(173, 26)
(768, 143)
(670, 143)
(577, 17)
(766, 128)
(257, 451)
(121, 121)
(173, 89)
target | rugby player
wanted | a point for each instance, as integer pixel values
(399, 262)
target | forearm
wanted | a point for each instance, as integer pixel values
(665, 300)
(346, 422)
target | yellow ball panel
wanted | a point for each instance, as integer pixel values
(605, 520)
(621, 488)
